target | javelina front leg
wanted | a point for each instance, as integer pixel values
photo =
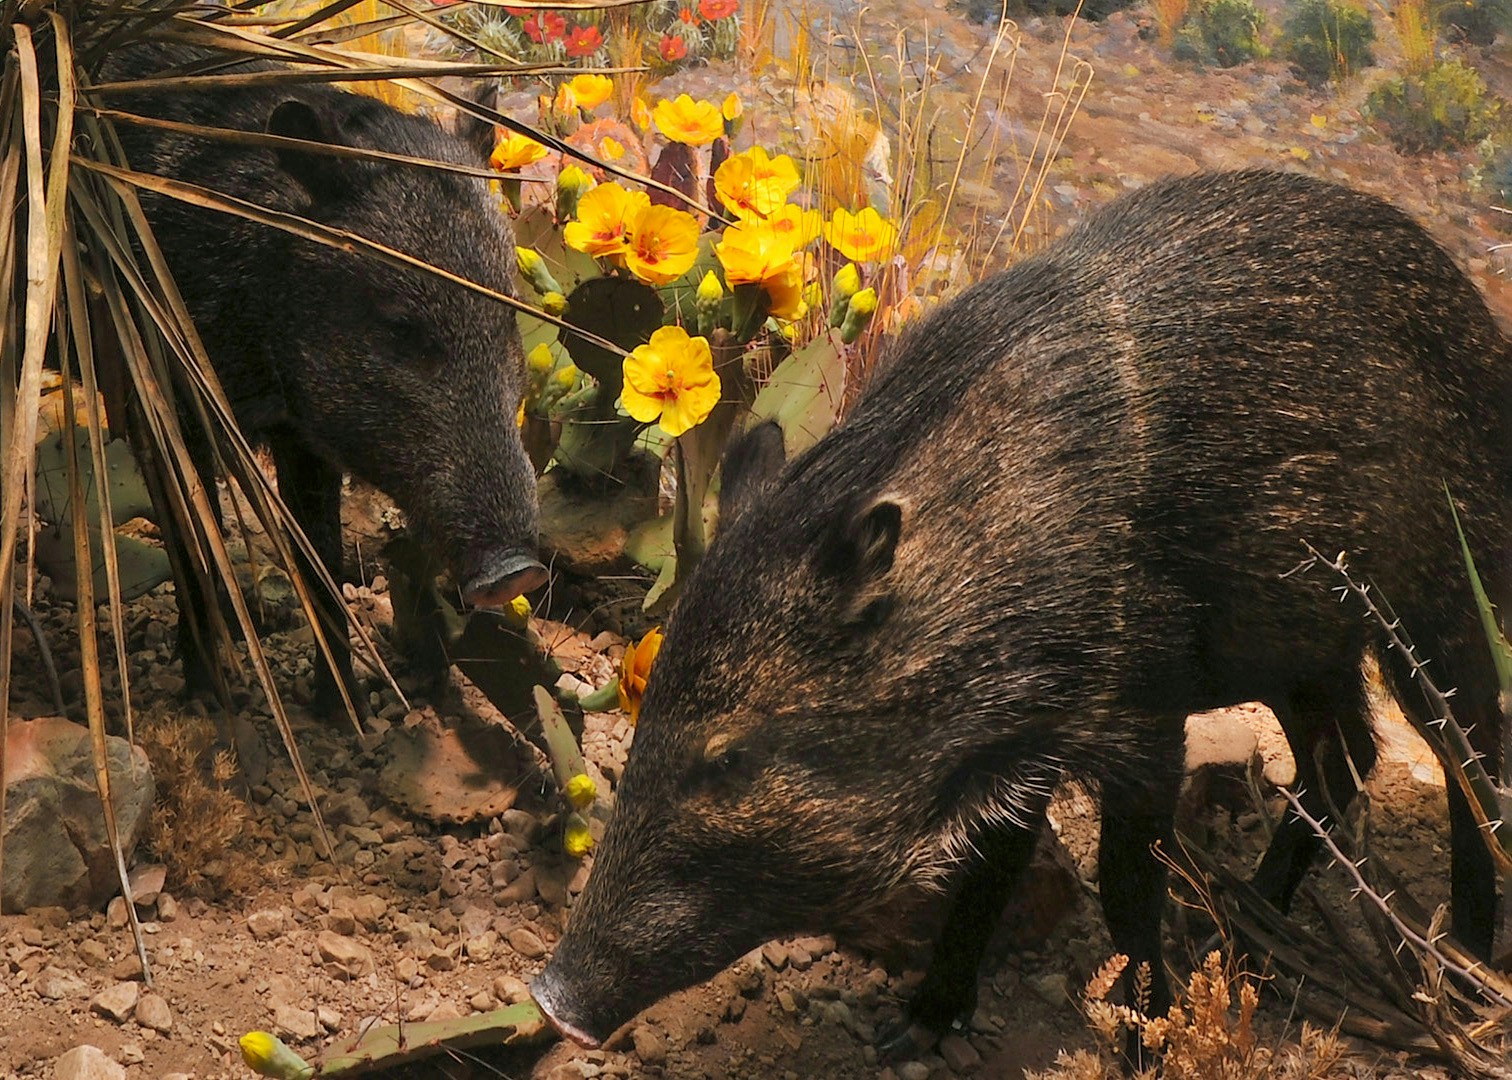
(1132, 886)
(311, 488)
(948, 994)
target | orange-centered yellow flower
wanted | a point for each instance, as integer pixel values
(515, 151)
(635, 668)
(662, 244)
(604, 216)
(684, 120)
(863, 237)
(758, 254)
(801, 227)
(753, 184)
(670, 378)
(591, 91)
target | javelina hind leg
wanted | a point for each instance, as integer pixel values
(948, 994)
(1326, 728)
(1132, 884)
(311, 488)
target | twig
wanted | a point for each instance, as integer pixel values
(46, 653)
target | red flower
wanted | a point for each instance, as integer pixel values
(717, 9)
(584, 41)
(554, 25)
(687, 16)
(672, 48)
(533, 30)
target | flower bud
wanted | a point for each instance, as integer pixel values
(858, 313)
(572, 183)
(577, 841)
(534, 270)
(554, 303)
(581, 791)
(539, 360)
(266, 1055)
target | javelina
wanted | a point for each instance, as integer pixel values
(1060, 520)
(333, 360)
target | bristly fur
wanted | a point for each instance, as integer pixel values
(1059, 521)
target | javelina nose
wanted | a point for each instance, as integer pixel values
(502, 578)
(550, 995)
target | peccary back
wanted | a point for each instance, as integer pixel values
(1067, 514)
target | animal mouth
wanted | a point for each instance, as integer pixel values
(543, 990)
(504, 578)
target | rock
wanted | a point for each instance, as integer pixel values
(146, 883)
(526, 943)
(1221, 751)
(87, 1063)
(959, 1054)
(1046, 893)
(94, 953)
(520, 890)
(649, 1046)
(152, 1012)
(447, 1010)
(775, 954)
(913, 1070)
(510, 989)
(56, 850)
(116, 1002)
(342, 955)
(116, 915)
(296, 1023)
(1053, 989)
(328, 1018)
(167, 908)
(267, 924)
(55, 984)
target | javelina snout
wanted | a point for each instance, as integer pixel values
(1065, 516)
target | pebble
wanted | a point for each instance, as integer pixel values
(146, 883)
(510, 989)
(297, 1023)
(913, 1070)
(152, 1011)
(116, 1002)
(328, 1018)
(167, 907)
(649, 1046)
(343, 955)
(1053, 989)
(267, 924)
(54, 984)
(116, 915)
(775, 954)
(526, 943)
(959, 1054)
(87, 1063)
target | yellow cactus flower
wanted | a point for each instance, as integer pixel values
(752, 184)
(863, 237)
(801, 227)
(662, 244)
(577, 841)
(591, 91)
(520, 605)
(684, 120)
(604, 215)
(758, 254)
(566, 101)
(672, 379)
(581, 791)
(640, 112)
(515, 151)
(635, 669)
(731, 108)
(611, 149)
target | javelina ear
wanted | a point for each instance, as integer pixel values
(319, 174)
(479, 134)
(863, 541)
(751, 464)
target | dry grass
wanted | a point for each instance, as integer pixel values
(198, 827)
(1169, 15)
(1208, 1034)
(1414, 29)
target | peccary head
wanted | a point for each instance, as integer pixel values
(409, 380)
(784, 777)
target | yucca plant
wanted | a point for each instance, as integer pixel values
(87, 289)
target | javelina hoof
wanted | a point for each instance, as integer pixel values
(909, 1039)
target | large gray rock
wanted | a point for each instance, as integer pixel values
(56, 852)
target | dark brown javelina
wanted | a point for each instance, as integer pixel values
(1060, 520)
(335, 361)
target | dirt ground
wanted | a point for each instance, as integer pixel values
(415, 918)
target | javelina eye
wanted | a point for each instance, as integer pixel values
(723, 761)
